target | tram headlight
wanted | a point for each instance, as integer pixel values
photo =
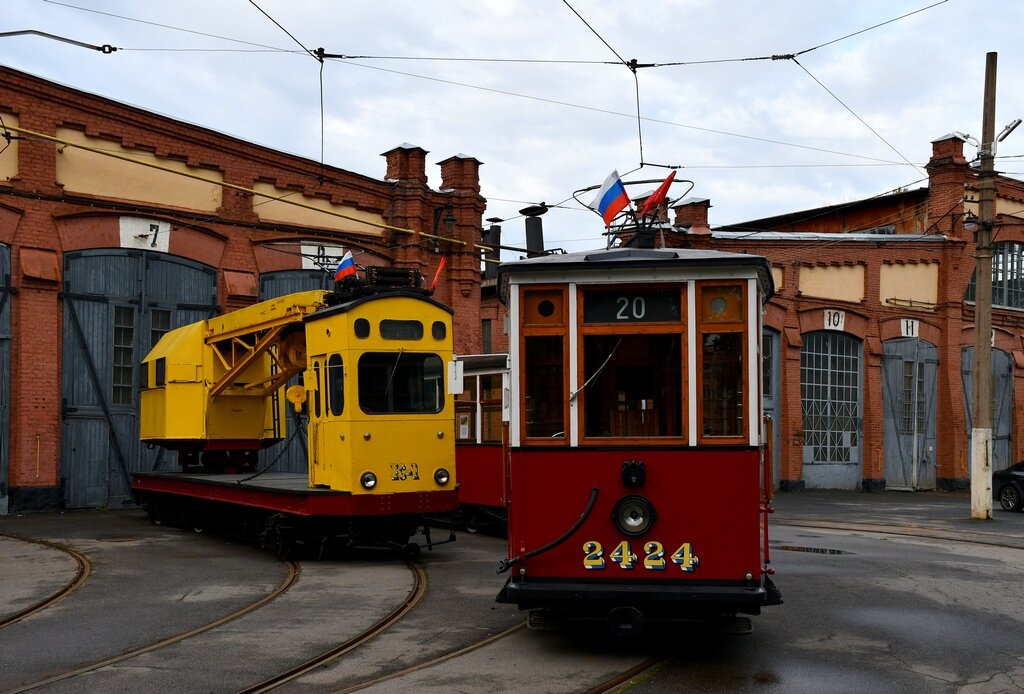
(368, 480)
(633, 515)
(442, 476)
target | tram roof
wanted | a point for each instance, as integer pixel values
(639, 258)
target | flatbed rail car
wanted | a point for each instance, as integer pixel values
(638, 482)
(374, 358)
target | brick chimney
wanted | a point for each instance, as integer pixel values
(692, 213)
(948, 173)
(460, 172)
(407, 163)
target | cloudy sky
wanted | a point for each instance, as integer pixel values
(537, 89)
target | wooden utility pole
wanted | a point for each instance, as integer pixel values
(981, 433)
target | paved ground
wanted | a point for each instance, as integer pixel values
(870, 605)
(29, 572)
(942, 512)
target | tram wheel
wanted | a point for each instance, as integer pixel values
(274, 538)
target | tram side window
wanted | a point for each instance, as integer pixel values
(481, 400)
(465, 410)
(400, 383)
(490, 406)
(721, 342)
(319, 390)
(335, 384)
(544, 386)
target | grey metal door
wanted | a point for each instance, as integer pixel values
(770, 364)
(830, 398)
(117, 303)
(5, 372)
(1002, 403)
(909, 368)
(292, 454)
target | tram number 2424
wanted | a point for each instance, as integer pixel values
(654, 556)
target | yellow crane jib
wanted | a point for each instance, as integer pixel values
(208, 384)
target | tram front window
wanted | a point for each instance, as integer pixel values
(633, 386)
(400, 383)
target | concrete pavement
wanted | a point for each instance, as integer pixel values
(30, 572)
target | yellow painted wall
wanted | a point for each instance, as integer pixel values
(839, 283)
(9, 157)
(273, 210)
(777, 277)
(81, 171)
(1009, 207)
(909, 283)
(1012, 208)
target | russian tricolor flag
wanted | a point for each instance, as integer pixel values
(611, 199)
(346, 267)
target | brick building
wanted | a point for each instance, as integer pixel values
(869, 339)
(117, 224)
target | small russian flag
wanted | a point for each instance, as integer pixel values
(611, 199)
(346, 267)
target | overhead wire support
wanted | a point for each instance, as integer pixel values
(162, 26)
(318, 55)
(867, 29)
(106, 48)
(290, 35)
(633, 65)
(854, 114)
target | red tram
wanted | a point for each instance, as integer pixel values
(639, 488)
(481, 411)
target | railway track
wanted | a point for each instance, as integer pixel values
(347, 651)
(416, 595)
(292, 575)
(81, 575)
(433, 662)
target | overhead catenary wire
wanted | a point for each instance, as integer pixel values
(317, 55)
(344, 57)
(854, 114)
(638, 115)
(632, 66)
(593, 109)
(163, 26)
(290, 35)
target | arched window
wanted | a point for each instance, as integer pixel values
(1007, 276)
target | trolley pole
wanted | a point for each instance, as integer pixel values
(981, 433)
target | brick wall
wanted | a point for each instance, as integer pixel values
(34, 209)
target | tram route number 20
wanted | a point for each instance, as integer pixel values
(653, 559)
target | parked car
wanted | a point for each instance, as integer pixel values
(1008, 487)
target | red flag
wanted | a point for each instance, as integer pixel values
(658, 196)
(437, 275)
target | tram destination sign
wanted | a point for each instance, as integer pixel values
(631, 306)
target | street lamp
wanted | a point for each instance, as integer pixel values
(443, 213)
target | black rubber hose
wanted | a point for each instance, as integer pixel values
(506, 564)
